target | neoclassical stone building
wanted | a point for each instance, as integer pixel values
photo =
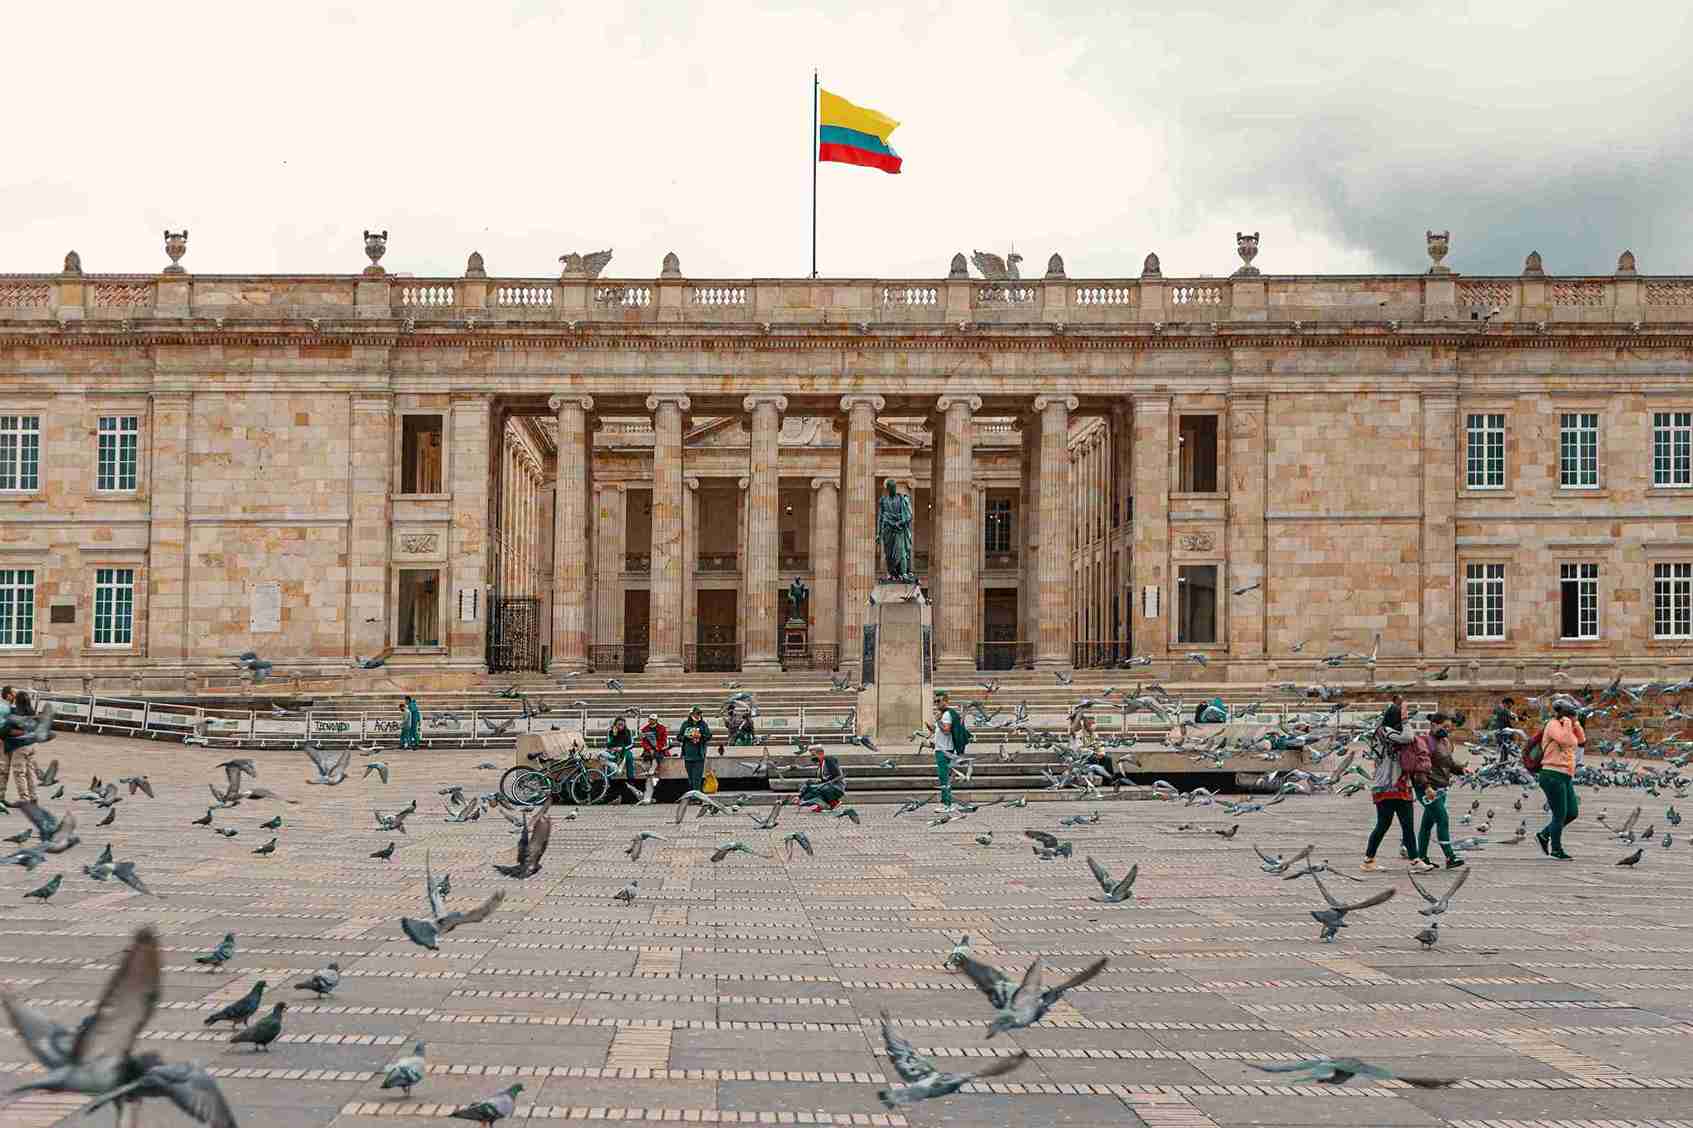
(482, 472)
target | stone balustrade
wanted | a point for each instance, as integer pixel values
(1148, 304)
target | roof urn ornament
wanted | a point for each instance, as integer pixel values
(474, 266)
(176, 245)
(1533, 267)
(1625, 264)
(73, 263)
(1055, 266)
(1151, 267)
(375, 246)
(1247, 247)
(672, 267)
(1439, 242)
(959, 268)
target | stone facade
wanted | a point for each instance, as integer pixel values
(1492, 472)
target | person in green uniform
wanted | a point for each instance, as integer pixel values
(411, 732)
(695, 735)
(951, 739)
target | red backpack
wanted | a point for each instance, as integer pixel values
(1417, 757)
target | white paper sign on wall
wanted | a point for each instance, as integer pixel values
(469, 597)
(1149, 602)
(265, 614)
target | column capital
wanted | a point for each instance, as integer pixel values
(680, 399)
(743, 483)
(572, 399)
(875, 402)
(947, 402)
(819, 483)
(690, 481)
(611, 487)
(1043, 402)
(748, 403)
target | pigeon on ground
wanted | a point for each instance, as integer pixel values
(497, 1107)
(848, 813)
(922, 1079)
(226, 831)
(1229, 833)
(241, 1009)
(406, 1072)
(47, 891)
(427, 933)
(268, 848)
(1337, 1071)
(1438, 905)
(272, 823)
(323, 982)
(1333, 918)
(207, 821)
(111, 817)
(1632, 860)
(1116, 891)
(21, 837)
(628, 893)
(1025, 1003)
(531, 846)
(640, 840)
(959, 951)
(1429, 936)
(263, 1032)
(386, 853)
(220, 955)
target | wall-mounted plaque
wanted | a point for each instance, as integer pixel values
(264, 616)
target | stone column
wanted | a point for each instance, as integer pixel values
(742, 486)
(860, 553)
(611, 507)
(1439, 531)
(1248, 424)
(168, 464)
(665, 612)
(570, 534)
(1151, 529)
(471, 430)
(1052, 647)
(690, 566)
(825, 564)
(1029, 512)
(955, 559)
(370, 536)
(764, 516)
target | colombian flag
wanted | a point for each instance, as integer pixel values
(852, 134)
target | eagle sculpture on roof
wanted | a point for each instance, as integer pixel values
(585, 266)
(997, 269)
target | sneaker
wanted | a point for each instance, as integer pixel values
(1402, 852)
(1369, 865)
(1454, 863)
(1545, 842)
(1561, 856)
(1421, 866)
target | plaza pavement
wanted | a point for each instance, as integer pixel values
(748, 992)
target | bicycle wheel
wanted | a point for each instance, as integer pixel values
(590, 787)
(525, 787)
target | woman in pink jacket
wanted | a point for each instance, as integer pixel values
(1558, 743)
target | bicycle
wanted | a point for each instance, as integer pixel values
(578, 778)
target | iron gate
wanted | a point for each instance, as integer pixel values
(514, 642)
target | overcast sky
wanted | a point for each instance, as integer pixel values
(527, 128)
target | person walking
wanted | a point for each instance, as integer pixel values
(1431, 785)
(1558, 746)
(695, 736)
(829, 788)
(620, 747)
(951, 738)
(1391, 791)
(19, 733)
(411, 731)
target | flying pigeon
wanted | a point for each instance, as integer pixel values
(922, 1079)
(531, 846)
(1026, 1003)
(1337, 1071)
(427, 933)
(1438, 905)
(1118, 891)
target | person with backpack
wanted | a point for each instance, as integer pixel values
(1431, 785)
(1390, 788)
(1551, 755)
(951, 738)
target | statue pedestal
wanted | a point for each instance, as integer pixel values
(898, 632)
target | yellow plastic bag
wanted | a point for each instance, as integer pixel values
(710, 784)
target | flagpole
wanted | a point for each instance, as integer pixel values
(814, 88)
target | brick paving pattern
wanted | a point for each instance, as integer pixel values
(748, 992)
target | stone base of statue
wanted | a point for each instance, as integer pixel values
(898, 634)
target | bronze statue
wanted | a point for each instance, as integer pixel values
(798, 593)
(893, 529)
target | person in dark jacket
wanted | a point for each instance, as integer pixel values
(695, 737)
(828, 788)
(1431, 789)
(1394, 718)
(620, 747)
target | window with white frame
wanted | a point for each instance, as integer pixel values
(1484, 451)
(1672, 600)
(20, 452)
(114, 606)
(1484, 601)
(1578, 450)
(996, 535)
(1578, 600)
(17, 607)
(115, 470)
(1672, 448)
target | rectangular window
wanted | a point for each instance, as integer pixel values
(17, 607)
(1484, 601)
(1484, 452)
(996, 533)
(1197, 438)
(1672, 448)
(115, 470)
(1578, 591)
(1672, 600)
(20, 452)
(1578, 450)
(420, 454)
(1196, 593)
(114, 606)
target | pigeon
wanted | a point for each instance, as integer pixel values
(614, 685)
(1632, 860)
(125, 872)
(531, 846)
(268, 848)
(207, 821)
(49, 776)
(1438, 905)
(1063, 678)
(1279, 864)
(406, 1072)
(386, 853)
(57, 834)
(1116, 892)
(984, 839)
(323, 982)
(263, 1032)
(426, 933)
(375, 663)
(47, 891)
(800, 839)
(1337, 1071)
(849, 813)
(1429, 936)
(1026, 1003)
(138, 783)
(377, 766)
(634, 847)
(1333, 918)
(220, 955)
(1229, 833)
(728, 848)
(226, 831)
(111, 817)
(959, 951)
(768, 822)
(21, 837)
(628, 893)
(396, 821)
(272, 823)
(489, 1109)
(189, 1087)
(331, 770)
(922, 1079)
(241, 1009)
